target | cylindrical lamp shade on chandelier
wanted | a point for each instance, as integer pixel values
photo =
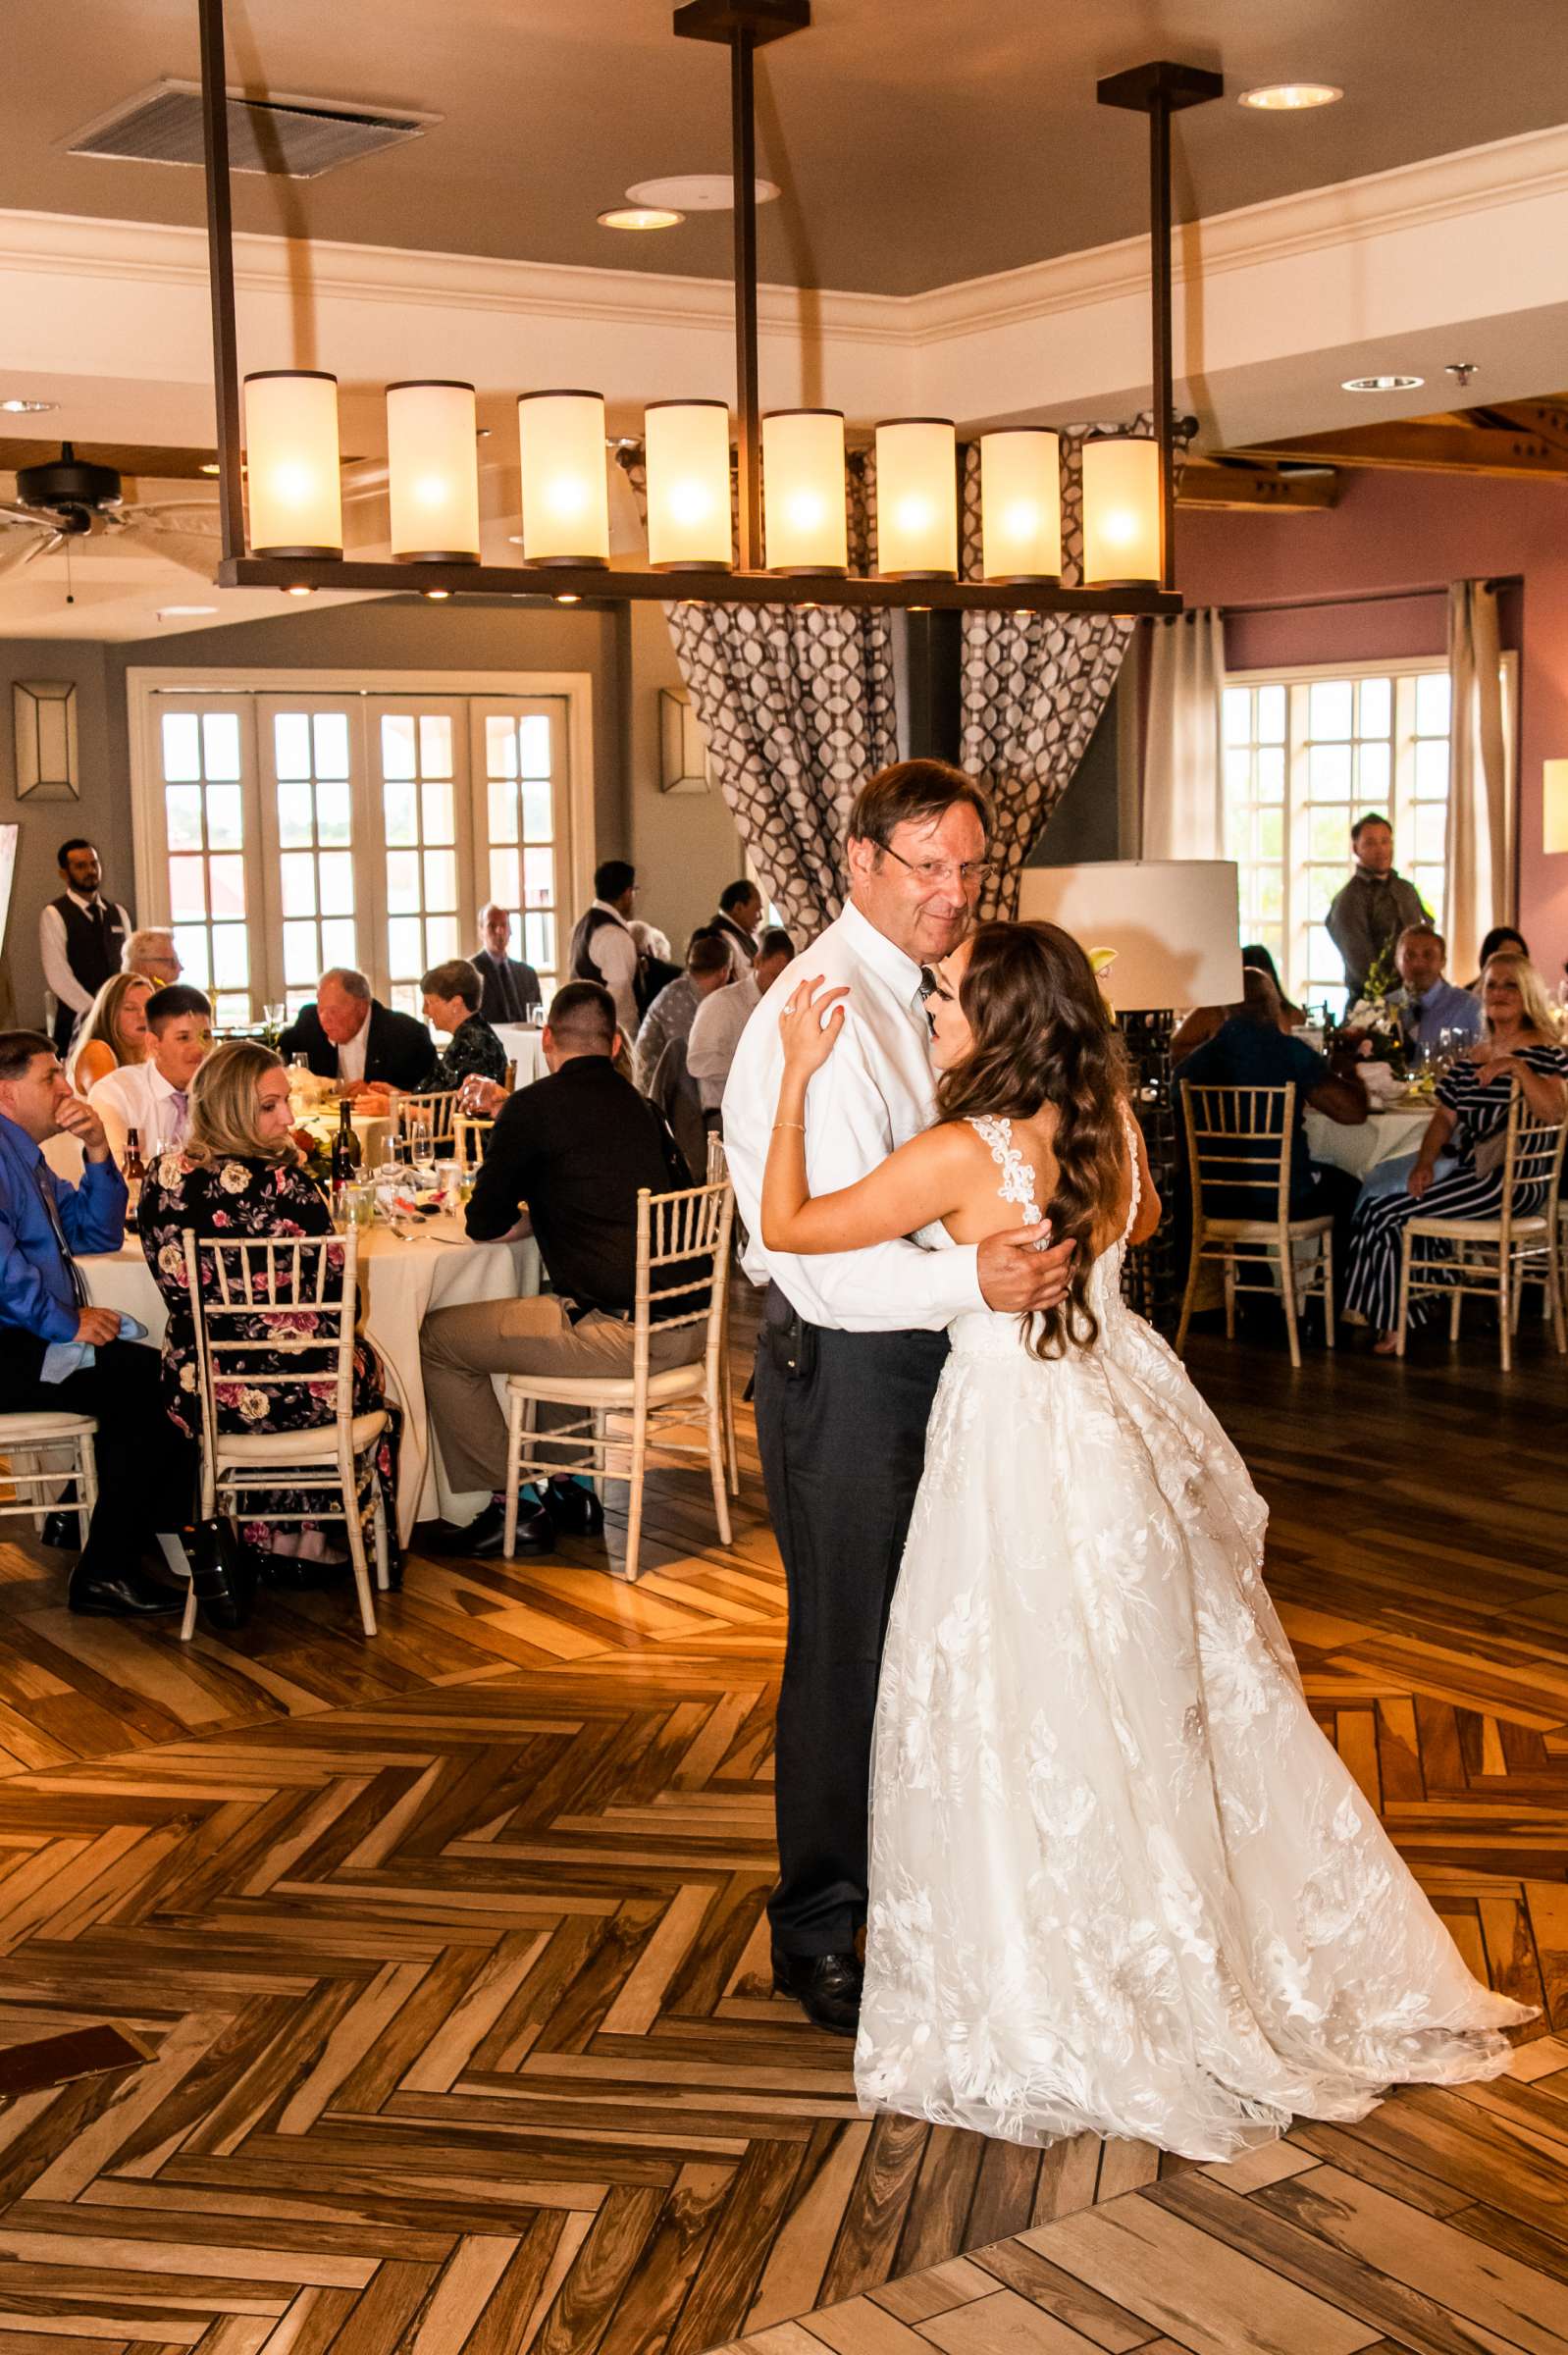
(295, 493)
(687, 452)
(433, 472)
(1122, 506)
(1020, 504)
(564, 478)
(805, 512)
(917, 498)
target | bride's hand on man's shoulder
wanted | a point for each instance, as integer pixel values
(808, 1039)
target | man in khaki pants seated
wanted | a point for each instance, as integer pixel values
(571, 1152)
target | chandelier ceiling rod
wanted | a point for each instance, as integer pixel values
(1158, 91)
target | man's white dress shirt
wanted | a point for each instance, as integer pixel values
(56, 964)
(351, 1055)
(614, 952)
(874, 1092)
(716, 1033)
(138, 1097)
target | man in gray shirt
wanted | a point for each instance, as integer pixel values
(1370, 912)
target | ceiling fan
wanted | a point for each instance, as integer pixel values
(68, 498)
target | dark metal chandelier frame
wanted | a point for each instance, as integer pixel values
(1158, 91)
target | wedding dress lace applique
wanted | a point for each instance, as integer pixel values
(1121, 1883)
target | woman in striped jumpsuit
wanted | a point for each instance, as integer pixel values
(1471, 1104)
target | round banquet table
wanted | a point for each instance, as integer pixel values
(401, 1283)
(525, 1048)
(1383, 1136)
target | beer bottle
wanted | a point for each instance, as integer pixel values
(135, 1170)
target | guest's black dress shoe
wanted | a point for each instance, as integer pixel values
(63, 1529)
(827, 1988)
(485, 1535)
(575, 1509)
(129, 1593)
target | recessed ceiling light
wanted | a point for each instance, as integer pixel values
(696, 193)
(640, 215)
(179, 613)
(1381, 384)
(211, 467)
(1291, 97)
(26, 409)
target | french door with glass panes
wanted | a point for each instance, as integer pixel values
(295, 831)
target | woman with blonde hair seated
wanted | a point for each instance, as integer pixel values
(1470, 1113)
(113, 1033)
(238, 1173)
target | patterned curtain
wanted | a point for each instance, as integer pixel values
(1033, 685)
(798, 711)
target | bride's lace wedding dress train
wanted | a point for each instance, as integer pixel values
(1120, 1880)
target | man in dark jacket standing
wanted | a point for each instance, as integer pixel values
(508, 987)
(1371, 910)
(350, 1036)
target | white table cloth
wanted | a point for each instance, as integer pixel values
(525, 1048)
(437, 1268)
(1381, 1137)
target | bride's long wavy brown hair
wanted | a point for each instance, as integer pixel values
(1042, 1036)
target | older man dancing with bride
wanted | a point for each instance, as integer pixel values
(853, 1344)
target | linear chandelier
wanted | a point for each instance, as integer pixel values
(789, 518)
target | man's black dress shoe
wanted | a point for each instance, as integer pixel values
(62, 1528)
(484, 1537)
(121, 1595)
(576, 1509)
(827, 1988)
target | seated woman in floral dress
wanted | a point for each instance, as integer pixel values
(451, 1002)
(1520, 1042)
(238, 1173)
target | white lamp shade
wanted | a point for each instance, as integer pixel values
(917, 498)
(1021, 505)
(1175, 924)
(291, 471)
(805, 514)
(433, 471)
(1120, 512)
(687, 448)
(564, 477)
(1554, 811)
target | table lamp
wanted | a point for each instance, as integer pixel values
(1175, 927)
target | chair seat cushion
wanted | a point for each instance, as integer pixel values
(309, 1447)
(1263, 1230)
(18, 1430)
(1479, 1230)
(676, 1382)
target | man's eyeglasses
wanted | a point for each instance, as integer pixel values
(969, 873)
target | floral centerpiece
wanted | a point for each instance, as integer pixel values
(1371, 1029)
(313, 1133)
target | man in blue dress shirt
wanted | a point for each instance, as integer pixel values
(144, 1462)
(1428, 1002)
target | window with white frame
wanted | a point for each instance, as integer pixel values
(1307, 753)
(284, 826)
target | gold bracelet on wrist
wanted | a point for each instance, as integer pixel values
(799, 1124)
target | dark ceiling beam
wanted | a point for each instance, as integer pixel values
(1255, 490)
(1427, 445)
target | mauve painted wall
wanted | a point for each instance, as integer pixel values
(1393, 531)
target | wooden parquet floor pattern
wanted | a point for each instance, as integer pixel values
(449, 1958)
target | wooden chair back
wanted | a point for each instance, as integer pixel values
(469, 1133)
(683, 1251)
(436, 1112)
(266, 1298)
(718, 1164)
(1532, 1164)
(1239, 1138)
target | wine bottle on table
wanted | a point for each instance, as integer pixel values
(134, 1171)
(346, 1152)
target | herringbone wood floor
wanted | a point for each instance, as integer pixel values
(446, 1955)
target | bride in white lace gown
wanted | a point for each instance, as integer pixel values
(1120, 1880)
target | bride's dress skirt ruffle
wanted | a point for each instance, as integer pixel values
(1120, 1880)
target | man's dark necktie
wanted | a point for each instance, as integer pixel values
(510, 1004)
(927, 992)
(40, 1176)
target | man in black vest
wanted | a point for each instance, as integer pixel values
(81, 937)
(602, 947)
(740, 912)
(508, 986)
(350, 1036)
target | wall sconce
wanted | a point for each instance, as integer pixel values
(1554, 809)
(687, 452)
(1120, 512)
(1021, 505)
(296, 506)
(804, 519)
(682, 746)
(917, 498)
(432, 473)
(565, 483)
